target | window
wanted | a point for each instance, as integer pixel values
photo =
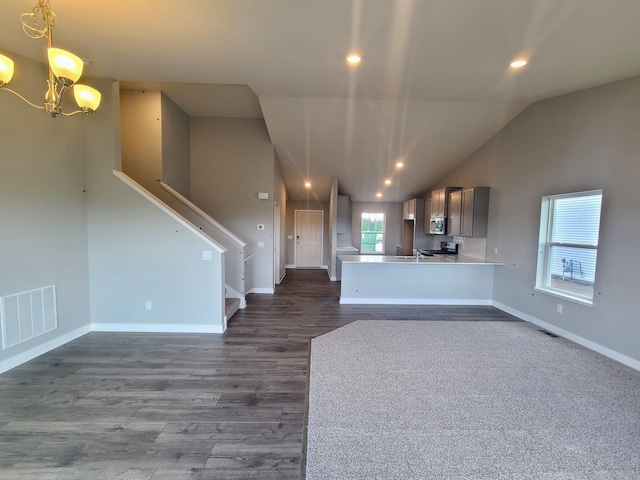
(569, 226)
(372, 233)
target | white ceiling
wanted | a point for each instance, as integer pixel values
(433, 86)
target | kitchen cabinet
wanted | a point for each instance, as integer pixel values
(343, 223)
(440, 201)
(413, 226)
(427, 216)
(455, 213)
(409, 209)
(469, 212)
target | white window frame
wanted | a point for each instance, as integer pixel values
(384, 232)
(543, 271)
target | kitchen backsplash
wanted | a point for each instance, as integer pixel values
(472, 247)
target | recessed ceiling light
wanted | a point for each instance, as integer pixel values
(399, 164)
(354, 58)
(307, 184)
(378, 195)
(387, 182)
(518, 63)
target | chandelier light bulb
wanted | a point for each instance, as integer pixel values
(87, 98)
(6, 70)
(65, 65)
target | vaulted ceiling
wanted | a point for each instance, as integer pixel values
(434, 83)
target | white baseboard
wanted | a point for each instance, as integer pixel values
(413, 301)
(43, 348)
(596, 347)
(156, 328)
(323, 267)
(333, 279)
(262, 290)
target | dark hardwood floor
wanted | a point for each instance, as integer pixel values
(183, 406)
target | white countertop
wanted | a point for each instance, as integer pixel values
(347, 248)
(437, 259)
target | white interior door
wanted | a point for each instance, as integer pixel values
(309, 225)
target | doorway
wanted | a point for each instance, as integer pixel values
(308, 232)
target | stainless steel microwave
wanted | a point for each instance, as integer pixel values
(437, 226)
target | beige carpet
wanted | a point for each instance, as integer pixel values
(479, 400)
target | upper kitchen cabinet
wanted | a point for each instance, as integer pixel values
(455, 213)
(440, 201)
(469, 212)
(343, 224)
(409, 209)
(427, 216)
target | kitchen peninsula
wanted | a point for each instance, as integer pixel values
(433, 280)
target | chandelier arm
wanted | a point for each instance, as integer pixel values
(21, 98)
(71, 114)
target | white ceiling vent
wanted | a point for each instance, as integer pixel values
(27, 315)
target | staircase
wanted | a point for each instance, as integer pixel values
(231, 306)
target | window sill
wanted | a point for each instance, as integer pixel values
(555, 293)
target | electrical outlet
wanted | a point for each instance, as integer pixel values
(206, 254)
(261, 226)
(147, 305)
(559, 308)
(260, 244)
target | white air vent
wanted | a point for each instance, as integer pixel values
(27, 315)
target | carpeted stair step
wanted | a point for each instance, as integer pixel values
(231, 306)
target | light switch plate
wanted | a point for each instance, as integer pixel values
(206, 255)
(261, 226)
(260, 244)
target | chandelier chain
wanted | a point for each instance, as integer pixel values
(38, 23)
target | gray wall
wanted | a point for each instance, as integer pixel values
(333, 229)
(232, 159)
(292, 206)
(141, 133)
(280, 198)
(575, 142)
(393, 223)
(155, 141)
(137, 253)
(42, 204)
(176, 154)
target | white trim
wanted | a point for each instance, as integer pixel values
(277, 221)
(203, 214)
(169, 211)
(289, 266)
(20, 358)
(413, 301)
(596, 347)
(333, 279)
(282, 275)
(270, 291)
(155, 328)
(564, 296)
(325, 267)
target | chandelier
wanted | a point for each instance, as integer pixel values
(65, 68)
